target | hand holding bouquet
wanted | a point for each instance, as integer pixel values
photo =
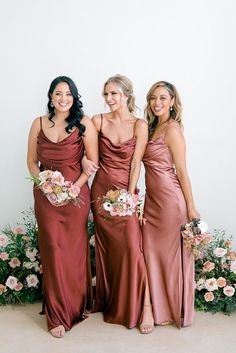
(121, 202)
(195, 236)
(58, 191)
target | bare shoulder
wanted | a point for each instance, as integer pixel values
(96, 119)
(174, 134)
(140, 125)
(86, 120)
(141, 122)
(36, 125)
(173, 128)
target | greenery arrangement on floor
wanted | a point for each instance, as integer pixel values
(21, 271)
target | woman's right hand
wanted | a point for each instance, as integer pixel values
(88, 166)
(193, 214)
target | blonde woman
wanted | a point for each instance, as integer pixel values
(121, 288)
(168, 205)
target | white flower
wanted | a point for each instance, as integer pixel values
(211, 284)
(32, 280)
(229, 291)
(202, 226)
(94, 281)
(92, 240)
(11, 282)
(29, 265)
(233, 266)
(31, 253)
(107, 206)
(220, 252)
(4, 241)
(122, 198)
(200, 284)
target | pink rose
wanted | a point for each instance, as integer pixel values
(229, 291)
(52, 198)
(57, 178)
(4, 241)
(46, 187)
(15, 262)
(11, 282)
(4, 256)
(18, 287)
(231, 255)
(221, 282)
(207, 239)
(2, 288)
(18, 230)
(74, 191)
(220, 252)
(209, 296)
(208, 266)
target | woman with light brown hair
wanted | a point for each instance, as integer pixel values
(121, 283)
(168, 205)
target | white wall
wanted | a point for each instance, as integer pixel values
(189, 43)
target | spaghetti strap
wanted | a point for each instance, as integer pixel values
(101, 124)
(41, 124)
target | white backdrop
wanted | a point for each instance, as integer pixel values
(189, 43)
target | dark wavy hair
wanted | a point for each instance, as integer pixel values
(76, 111)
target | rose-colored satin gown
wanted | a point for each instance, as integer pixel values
(120, 267)
(63, 238)
(170, 267)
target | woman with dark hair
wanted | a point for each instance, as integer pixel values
(122, 292)
(57, 142)
(168, 205)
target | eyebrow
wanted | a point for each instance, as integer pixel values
(62, 91)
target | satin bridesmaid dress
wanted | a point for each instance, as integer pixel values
(63, 239)
(120, 267)
(170, 266)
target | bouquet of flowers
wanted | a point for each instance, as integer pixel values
(215, 276)
(121, 203)
(56, 189)
(195, 236)
(20, 268)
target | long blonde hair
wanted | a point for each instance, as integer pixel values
(126, 87)
(175, 112)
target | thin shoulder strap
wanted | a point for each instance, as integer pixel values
(41, 123)
(101, 123)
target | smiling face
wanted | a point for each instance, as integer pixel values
(62, 98)
(160, 102)
(114, 98)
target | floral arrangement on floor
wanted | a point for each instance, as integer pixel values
(215, 275)
(56, 189)
(20, 269)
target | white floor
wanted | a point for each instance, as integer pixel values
(23, 330)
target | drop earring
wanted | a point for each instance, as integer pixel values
(171, 108)
(51, 104)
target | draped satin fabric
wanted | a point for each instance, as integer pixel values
(120, 268)
(63, 238)
(170, 266)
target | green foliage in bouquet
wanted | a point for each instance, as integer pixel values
(20, 269)
(215, 275)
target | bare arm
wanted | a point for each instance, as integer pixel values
(141, 134)
(90, 140)
(89, 167)
(32, 159)
(175, 140)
